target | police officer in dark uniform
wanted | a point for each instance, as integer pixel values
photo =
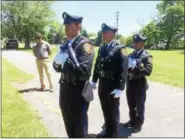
(140, 65)
(111, 69)
(73, 77)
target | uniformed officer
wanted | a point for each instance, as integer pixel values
(140, 65)
(73, 77)
(111, 69)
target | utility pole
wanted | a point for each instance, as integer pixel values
(117, 18)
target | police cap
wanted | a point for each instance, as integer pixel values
(71, 18)
(138, 38)
(106, 27)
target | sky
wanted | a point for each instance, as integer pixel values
(131, 13)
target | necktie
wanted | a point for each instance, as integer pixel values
(134, 55)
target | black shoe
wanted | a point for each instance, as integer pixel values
(102, 135)
(136, 128)
(129, 124)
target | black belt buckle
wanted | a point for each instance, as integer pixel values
(130, 75)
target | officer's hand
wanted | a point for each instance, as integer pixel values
(138, 61)
(61, 58)
(117, 93)
(56, 67)
(93, 84)
(132, 63)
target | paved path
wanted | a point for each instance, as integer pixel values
(164, 105)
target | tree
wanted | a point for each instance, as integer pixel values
(56, 32)
(98, 40)
(91, 34)
(26, 18)
(153, 33)
(168, 26)
(172, 13)
(84, 32)
(129, 41)
(122, 39)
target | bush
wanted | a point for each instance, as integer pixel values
(177, 44)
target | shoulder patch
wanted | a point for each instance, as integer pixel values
(88, 48)
(124, 52)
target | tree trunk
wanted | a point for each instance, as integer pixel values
(168, 43)
(27, 43)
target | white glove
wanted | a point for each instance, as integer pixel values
(61, 58)
(131, 63)
(117, 93)
(93, 84)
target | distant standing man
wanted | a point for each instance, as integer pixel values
(75, 71)
(42, 51)
(140, 65)
(111, 69)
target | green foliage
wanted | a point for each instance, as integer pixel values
(56, 32)
(122, 40)
(169, 25)
(153, 33)
(90, 34)
(25, 18)
(129, 41)
(84, 32)
(98, 40)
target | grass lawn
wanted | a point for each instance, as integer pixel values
(18, 117)
(168, 66)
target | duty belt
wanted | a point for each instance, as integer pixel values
(132, 76)
(130, 73)
(107, 75)
(72, 79)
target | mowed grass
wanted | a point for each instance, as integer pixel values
(168, 66)
(18, 117)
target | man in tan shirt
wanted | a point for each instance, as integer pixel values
(42, 51)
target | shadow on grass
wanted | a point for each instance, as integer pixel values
(29, 90)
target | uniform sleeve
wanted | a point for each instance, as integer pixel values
(85, 54)
(122, 73)
(146, 66)
(95, 71)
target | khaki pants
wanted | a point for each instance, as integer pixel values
(41, 66)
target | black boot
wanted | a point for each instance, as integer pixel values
(129, 124)
(138, 125)
(136, 128)
(102, 134)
